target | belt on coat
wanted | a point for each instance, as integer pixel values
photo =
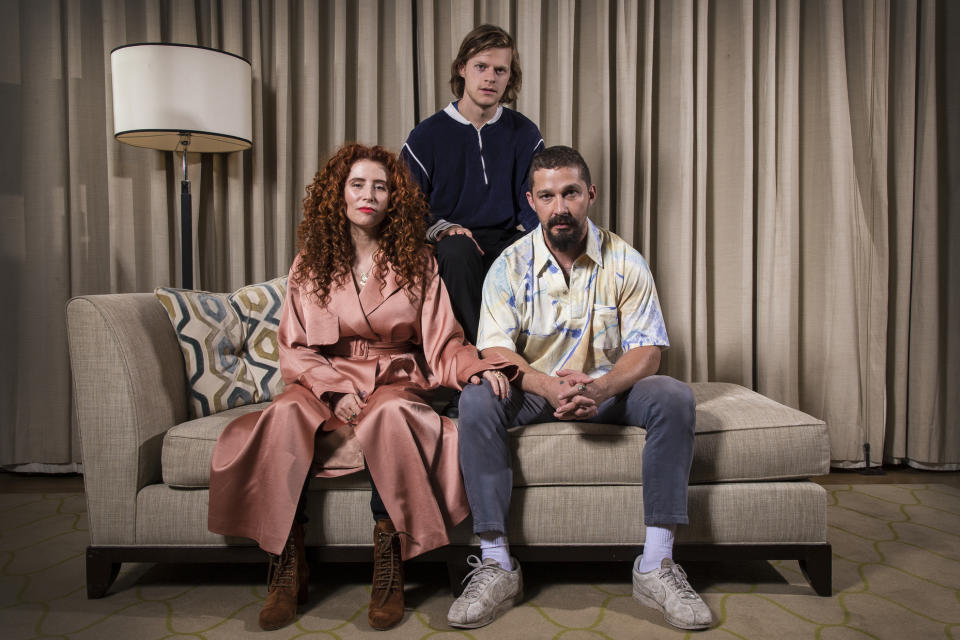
(362, 348)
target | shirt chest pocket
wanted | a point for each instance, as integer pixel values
(606, 327)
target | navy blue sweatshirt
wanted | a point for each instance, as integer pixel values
(475, 178)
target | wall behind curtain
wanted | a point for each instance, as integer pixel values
(789, 169)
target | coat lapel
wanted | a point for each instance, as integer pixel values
(344, 304)
(377, 291)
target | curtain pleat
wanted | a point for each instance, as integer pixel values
(777, 201)
(933, 353)
(789, 170)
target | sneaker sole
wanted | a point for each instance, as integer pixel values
(496, 613)
(653, 604)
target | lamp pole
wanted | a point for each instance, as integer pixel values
(186, 220)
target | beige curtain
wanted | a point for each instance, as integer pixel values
(789, 169)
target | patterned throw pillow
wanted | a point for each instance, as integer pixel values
(229, 343)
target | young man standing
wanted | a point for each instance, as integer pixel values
(576, 308)
(471, 161)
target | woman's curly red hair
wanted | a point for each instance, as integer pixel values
(324, 234)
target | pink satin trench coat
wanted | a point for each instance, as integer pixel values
(378, 342)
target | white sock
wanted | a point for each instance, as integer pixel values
(494, 545)
(657, 546)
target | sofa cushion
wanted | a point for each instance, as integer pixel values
(188, 447)
(229, 343)
(741, 436)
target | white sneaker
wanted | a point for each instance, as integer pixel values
(667, 589)
(491, 591)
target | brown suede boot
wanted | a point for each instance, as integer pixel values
(386, 596)
(288, 579)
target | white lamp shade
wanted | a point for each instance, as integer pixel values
(163, 90)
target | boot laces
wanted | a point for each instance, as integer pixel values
(676, 579)
(478, 578)
(386, 575)
(282, 570)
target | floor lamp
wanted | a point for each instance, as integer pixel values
(176, 97)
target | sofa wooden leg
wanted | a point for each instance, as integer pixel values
(101, 572)
(817, 567)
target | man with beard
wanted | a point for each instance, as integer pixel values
(576, 309)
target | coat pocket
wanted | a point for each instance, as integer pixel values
(323, 329)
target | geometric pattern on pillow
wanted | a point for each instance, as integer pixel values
(229, 343)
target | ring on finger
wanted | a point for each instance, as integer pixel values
(581, 387)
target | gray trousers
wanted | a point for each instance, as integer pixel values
(662, 405)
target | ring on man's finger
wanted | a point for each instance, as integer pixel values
(581, 387)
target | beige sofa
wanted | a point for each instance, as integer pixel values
(146, 468)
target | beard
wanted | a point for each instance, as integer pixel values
(565, 239)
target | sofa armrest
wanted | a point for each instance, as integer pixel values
(129, 388)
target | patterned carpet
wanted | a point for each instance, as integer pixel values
(896, 575)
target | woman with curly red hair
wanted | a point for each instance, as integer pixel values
(365, 333)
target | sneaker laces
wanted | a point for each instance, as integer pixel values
(676, 579)
(282, 570)
(386, 576)
(481, 575)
